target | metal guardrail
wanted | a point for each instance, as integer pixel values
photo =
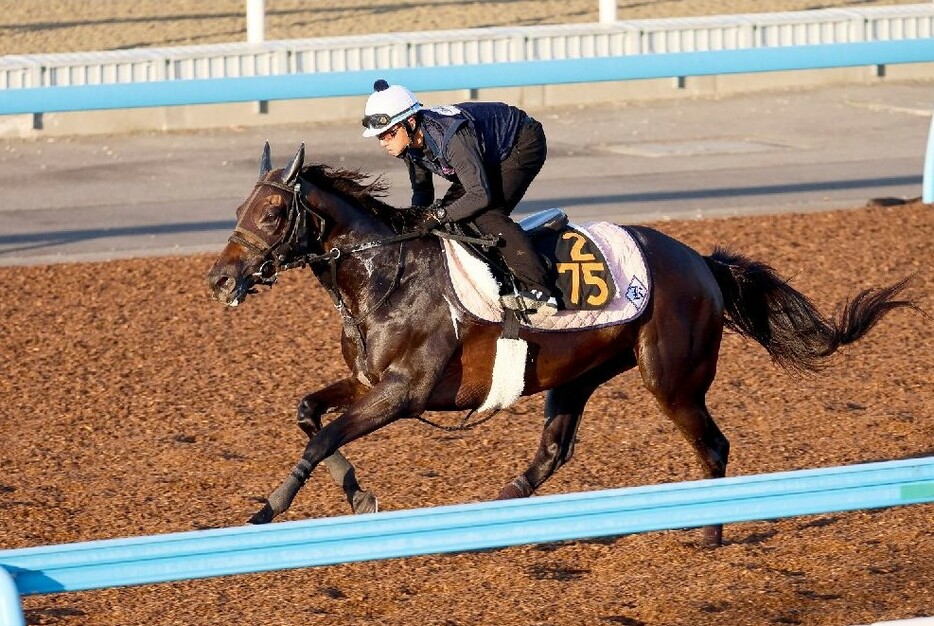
(474, 76)
(471, 46)
(459, 528)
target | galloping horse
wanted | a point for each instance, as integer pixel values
(409, 352)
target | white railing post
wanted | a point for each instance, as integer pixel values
(607, 11)
(255, 21)
(11, 613)
(927, 185)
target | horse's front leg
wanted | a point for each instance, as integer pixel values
(563, 409)
(564, 406)
(333, 397)
(381, 405)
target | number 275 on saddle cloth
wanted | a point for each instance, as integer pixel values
(600, 275)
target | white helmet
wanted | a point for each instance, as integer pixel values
(387, 106)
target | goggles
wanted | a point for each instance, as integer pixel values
(376, 121)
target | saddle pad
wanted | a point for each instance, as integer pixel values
(478, 292)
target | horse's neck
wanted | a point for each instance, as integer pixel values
(350, 225)
(368, 280)
(362, 273)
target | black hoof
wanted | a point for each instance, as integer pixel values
(713, 537)
(263, 516)
(364, 502)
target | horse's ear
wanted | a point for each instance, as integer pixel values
(291, 171)
(265, 161)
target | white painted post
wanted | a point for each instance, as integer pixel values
(927, 185)
(255, 21)
(11, 612)
(255, 34)
(607, 11)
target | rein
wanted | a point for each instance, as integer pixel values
(464, 425)
(335, 253)
(298, 210)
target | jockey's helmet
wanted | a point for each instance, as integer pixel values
(387, 106)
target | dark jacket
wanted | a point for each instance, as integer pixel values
(464, 143)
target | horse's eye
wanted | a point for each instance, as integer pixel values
(270, 216)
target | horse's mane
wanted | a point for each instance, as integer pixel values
(365, 190)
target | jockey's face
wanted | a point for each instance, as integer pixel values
(395, 140)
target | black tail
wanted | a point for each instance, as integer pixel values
(761, 305)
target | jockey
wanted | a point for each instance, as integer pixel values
(489, 151)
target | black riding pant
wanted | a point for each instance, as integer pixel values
(517, 172)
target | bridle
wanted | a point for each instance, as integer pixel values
(279, 256)
(276, 255)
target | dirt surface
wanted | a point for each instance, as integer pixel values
(82, 25)
(132, 405)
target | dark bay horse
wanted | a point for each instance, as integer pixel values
(407, 353)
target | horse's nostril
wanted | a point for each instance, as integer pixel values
(224, 284)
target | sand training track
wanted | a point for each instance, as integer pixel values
(132, 404)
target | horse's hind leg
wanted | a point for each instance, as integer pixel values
(310, 410)
(679, 376)
(709, 445)
(564, 406)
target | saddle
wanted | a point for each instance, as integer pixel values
(579, 271)
(548, 231)
(586, 264)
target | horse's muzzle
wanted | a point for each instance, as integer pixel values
(228, 279)
(225, 289)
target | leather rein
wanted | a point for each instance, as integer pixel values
(276, 255)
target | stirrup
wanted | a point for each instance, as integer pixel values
(531, 301)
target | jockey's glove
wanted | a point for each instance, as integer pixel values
(435, 217)
(438, 211)
(429, 224)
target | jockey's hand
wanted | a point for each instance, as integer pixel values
(435, 217)
(438, 210)
(429, 224)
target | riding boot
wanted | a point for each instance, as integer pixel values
(534, 285)
(516, 250)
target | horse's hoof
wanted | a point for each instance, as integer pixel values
(364, 502)
(509, 492)
(263, 516)
(713, 537)
(518, 488)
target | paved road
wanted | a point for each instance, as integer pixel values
(153, 194)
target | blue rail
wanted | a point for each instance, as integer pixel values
(478, 76)
(460, 528)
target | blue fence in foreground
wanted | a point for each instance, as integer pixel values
(460, 528)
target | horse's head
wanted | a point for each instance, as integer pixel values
(304, 215)
(275, 226)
